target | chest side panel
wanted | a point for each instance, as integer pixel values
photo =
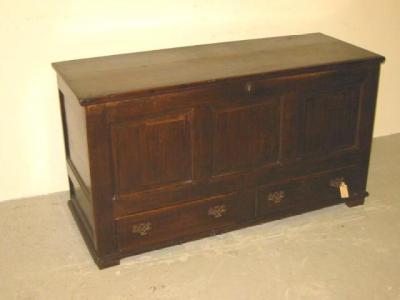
(77, 156)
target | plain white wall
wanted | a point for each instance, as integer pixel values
(36, 33)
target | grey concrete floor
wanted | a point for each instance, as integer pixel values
(333, 253)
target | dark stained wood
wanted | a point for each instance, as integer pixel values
(303, 191)
(234, 134)
(152, 152)
(76, 151)
(95, 78)
(356, 199)
(176, 222)
(75, 135)
(245, 136)
(102, 185)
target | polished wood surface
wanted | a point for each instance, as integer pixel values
(96, 78)
(155, 167)
(179, 221)
(152, 152)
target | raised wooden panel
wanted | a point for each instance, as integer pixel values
(75, 135)
(83, 203)
(245, 136)
(329, 121)
(321, 122)
(151, 152)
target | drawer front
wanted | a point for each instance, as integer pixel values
(181, 222)
(326, 186)
(320, 188)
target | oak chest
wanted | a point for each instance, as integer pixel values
(172, 145)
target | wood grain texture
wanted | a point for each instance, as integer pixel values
(245, 136)
(95, 78)
(152, 152)
(177, 222)
(236, 134)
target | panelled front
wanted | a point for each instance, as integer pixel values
(239, 129)
(282, 122)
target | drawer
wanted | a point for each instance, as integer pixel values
(317, 188)
(326, 186)
(175, 224)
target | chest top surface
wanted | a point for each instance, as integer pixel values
(97, 78)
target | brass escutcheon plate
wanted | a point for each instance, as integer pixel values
(141, 228)
(336, 182)
(276, 197)
(217, 211)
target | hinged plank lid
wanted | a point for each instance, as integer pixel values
(99, 78)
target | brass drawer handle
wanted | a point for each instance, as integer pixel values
(141, 228)
(276, 197)
(336, 182)
(217, 211)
